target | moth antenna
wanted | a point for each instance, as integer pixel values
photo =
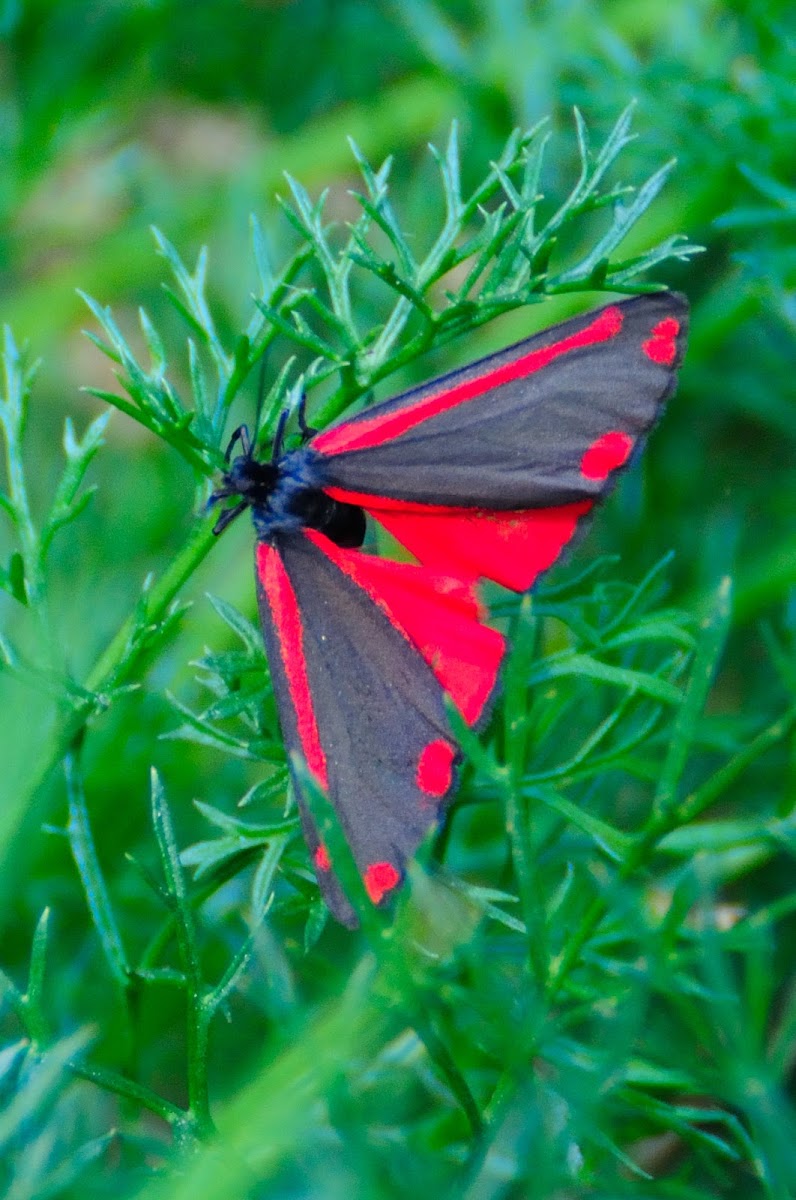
(241, 434)
(305, 430)
(279, 436)
(258, 412)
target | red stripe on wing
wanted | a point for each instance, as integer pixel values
(362, 434)
(511, 548)
(290, 634)
(438, 614)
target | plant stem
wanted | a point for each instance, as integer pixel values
(114, 667)
(199, 1011)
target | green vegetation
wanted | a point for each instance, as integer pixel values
(587, 988)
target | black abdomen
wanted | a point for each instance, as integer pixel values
(344, 524)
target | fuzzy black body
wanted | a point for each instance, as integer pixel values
(287, 497)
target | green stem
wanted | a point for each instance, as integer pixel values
(657, 827)
(200, 1009)
(84, 853)
(709, 792)
(518, 828)
(12, 414)
(441, 1056)
(33, 1000)
(115, 666)
(110, 1081)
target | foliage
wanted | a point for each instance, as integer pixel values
(586, 988)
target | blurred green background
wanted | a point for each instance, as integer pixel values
(118, 116)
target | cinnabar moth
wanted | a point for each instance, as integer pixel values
(487, 472)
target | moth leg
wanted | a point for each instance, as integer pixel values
(228, 515)
(220, 494)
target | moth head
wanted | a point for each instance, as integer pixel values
(245, 477)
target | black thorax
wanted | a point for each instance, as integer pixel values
(287, 496)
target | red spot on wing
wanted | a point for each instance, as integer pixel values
(435, 768)
(605, 455)
(321, 858)
(660, 350)
(512, 548)
(290, 635)
(661, 346)
(439, 615)
(381, 878)
(375, 431)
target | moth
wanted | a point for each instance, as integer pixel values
(485, 473)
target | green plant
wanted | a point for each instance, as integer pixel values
(603, 924)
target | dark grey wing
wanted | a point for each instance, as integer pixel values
(362, 651)
(540, 424)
